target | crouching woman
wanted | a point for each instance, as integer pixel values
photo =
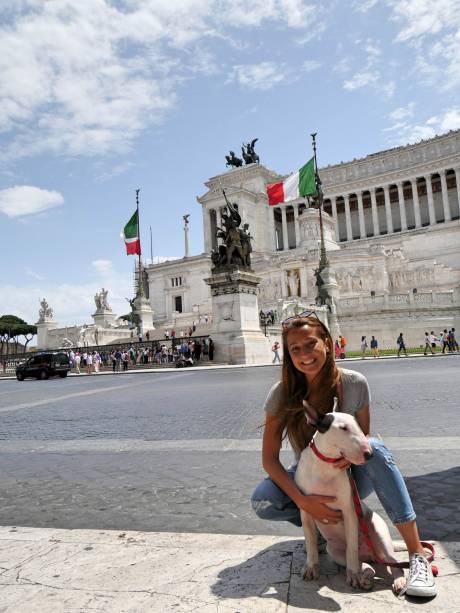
(309, 372)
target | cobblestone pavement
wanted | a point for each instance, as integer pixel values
(180, 452)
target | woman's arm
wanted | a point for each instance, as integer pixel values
(313, 504)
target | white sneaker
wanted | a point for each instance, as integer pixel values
(420, 581)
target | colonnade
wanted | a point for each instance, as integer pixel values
(372, 211)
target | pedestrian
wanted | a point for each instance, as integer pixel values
(125, 360)
(114, 361)
(211, 349)
(205, 350)
(343, 347)
(89, 363)
(96, 361)
(276, 355)
(453, 345)
(309, 374)
(401, 344)
(433, 340)
(77, 361)
(375, 347)
(427, 342)
(337, 349)
(118, 357)
(443, 339)
(363, 347)
(198, 349)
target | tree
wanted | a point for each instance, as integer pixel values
(11, 328)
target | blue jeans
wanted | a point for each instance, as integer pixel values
(379, 474)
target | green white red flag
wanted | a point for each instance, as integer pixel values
(131, 235)
(300, 184)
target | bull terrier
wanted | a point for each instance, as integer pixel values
(339, 436)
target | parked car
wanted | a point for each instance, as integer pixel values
(44, 365)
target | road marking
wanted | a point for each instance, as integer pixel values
(395, 443)
(101, 390)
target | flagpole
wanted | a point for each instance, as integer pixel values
(139, 278)
(151, 245)
(323, 256)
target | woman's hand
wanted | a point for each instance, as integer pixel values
(316, 506)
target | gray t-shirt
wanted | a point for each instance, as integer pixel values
(356, 393)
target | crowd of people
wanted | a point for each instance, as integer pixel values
(121, 359)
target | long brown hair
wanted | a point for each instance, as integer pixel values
(294, 387)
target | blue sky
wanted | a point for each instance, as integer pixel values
(100, 97)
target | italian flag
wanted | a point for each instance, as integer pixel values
(131, 236)
(299, 184)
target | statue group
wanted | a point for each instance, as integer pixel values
(248, 153)
(45, 312)
(100, 299)
(236, 248)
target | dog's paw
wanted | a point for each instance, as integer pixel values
(361, 580)
(398, 584)
(310, 572)
(366, 578)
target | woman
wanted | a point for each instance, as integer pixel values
(363, 347)
(309, 372)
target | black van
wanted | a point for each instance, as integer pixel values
(44, 365)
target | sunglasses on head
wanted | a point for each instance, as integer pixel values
(299, 316)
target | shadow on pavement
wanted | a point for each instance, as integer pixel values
(435, 498)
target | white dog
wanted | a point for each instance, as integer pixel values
(339, 436)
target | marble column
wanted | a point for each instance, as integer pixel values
(402, 206)
(429, 194)
(445, 196)
(207, 230)
(457, 181)
(271, 225)
(375, 216)
(218, 222)
(334, 217)
(296, 224)
(348, 217)
(415, 200)
(386, 191)
(362, 227)
(303, 283)
(284, 224)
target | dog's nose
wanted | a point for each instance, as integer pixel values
(367, 455)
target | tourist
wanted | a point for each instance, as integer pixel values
(401, 344)
(205, 350)
(363, 347)
(343, 346)
(427, 342)
(276, 355)
(453, 345)
(83, 359)
(118, 356)
(337, 349)
(310, 374)
(96, 361)
(89, 363)
(77, 360)
(114, 361)
(374, 347)
(211, 349)
(125, 360)
(197, 350)
(433, 340)
(443, 339)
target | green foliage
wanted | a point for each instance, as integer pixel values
(12, 327)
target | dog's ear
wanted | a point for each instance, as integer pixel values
(325, 422)
(311, 415)
(335, 408)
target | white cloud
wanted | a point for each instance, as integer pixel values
(363, 6)
(264, 75)
(310, 65)
(103, 267)
(86, 77)
(402, 112)
(27, 200)
(403, 132)
(31, 273)
(361, 79)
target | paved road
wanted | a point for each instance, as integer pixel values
(181, 451)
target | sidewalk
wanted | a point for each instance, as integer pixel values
(53, 571)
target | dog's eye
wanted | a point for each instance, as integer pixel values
(344, 428)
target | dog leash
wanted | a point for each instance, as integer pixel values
(363, 525)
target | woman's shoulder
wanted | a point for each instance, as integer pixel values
(273, 397)
(351, 375)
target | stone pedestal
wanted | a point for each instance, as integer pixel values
(104, 319)
(309, 230)
(144, 313)
(43, 328)
(235, 329)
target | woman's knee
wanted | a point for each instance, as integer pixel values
(266, 497)
(380, 453)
